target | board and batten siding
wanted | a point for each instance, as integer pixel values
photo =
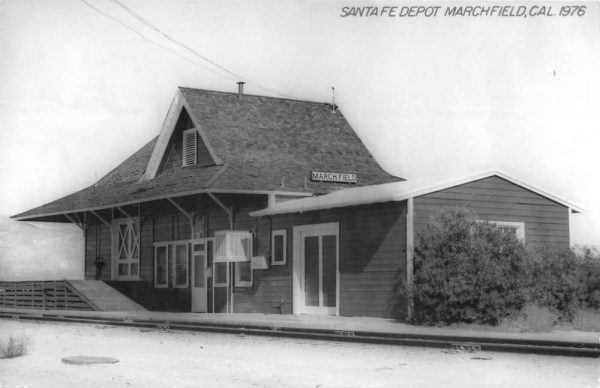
(372, 257)
(496, 199)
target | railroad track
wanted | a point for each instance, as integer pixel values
(459, 343)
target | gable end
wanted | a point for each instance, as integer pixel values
(172, 143)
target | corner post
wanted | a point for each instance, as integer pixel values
(410, 252)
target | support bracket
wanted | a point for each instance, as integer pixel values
(225, 208)
(124, 212)
(100, 218)
(78, 224)
(187, 214)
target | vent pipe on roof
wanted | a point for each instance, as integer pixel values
(241, 87)
(333, 106)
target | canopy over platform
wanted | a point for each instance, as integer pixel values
(397, 191)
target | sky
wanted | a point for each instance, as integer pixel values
(81, 89)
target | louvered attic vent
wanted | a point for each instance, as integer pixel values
(189, 147)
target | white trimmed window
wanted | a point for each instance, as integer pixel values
(189, 151)
(180, 265)
(278, 247)
(243, 274)
(126, 249)
(161, 265)
(171, 264)
(515, 228)
(221, 274)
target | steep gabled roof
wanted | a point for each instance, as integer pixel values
(399, 191)
(258, 144)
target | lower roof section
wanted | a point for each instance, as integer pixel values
(58, 215)
(398, 191)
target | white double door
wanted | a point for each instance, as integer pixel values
(316, 269)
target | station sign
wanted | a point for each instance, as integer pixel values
(320, 176)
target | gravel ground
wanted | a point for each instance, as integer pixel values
(155, 358)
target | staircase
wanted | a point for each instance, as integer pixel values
(104, 297)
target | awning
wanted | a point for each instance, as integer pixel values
(397, 191)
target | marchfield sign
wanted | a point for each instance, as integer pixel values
(319, 176)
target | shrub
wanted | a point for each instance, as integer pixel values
(590, 276)
(466, 271)
(554, 277)
(14, 347)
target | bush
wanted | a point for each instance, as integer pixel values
(466, 271)
(470, 271)
(555, 279)
(14, 347)
(590, 276)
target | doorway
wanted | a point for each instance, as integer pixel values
(316, 269)
(201, 261)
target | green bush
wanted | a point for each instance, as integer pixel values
(466, 271)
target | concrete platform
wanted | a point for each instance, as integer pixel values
(103, 297)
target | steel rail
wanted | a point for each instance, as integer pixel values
(544, 347)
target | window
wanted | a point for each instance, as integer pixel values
(243, 274)
(221, 275)
(180, 264)
(278, 247)
(515, 228)
(126, 249)
(161, 270)
(189, 152)
(171, 264)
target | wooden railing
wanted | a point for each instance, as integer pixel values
(42, 295)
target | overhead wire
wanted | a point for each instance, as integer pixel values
(144, 21)
(153, 42)
(229, 74)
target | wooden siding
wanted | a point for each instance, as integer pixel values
(372, 253)
(160, 221)
(97, 244)
(372, 256)
(496, 199)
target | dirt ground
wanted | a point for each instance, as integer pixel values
(155, 358)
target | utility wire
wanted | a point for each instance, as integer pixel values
(155, 43)
(184, 46)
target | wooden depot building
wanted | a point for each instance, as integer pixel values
(248, 203)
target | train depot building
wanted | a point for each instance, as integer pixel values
(248, 203)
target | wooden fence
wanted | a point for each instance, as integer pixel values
(42, 295)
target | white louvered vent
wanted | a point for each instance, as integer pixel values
(189, 147)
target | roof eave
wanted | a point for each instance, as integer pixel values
(157, 198)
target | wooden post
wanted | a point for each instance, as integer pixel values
(410, 250)
(66, 294)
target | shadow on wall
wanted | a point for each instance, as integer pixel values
(40, 251)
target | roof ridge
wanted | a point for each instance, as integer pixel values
(258, 95)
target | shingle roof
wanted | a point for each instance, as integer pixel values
(265, 143)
